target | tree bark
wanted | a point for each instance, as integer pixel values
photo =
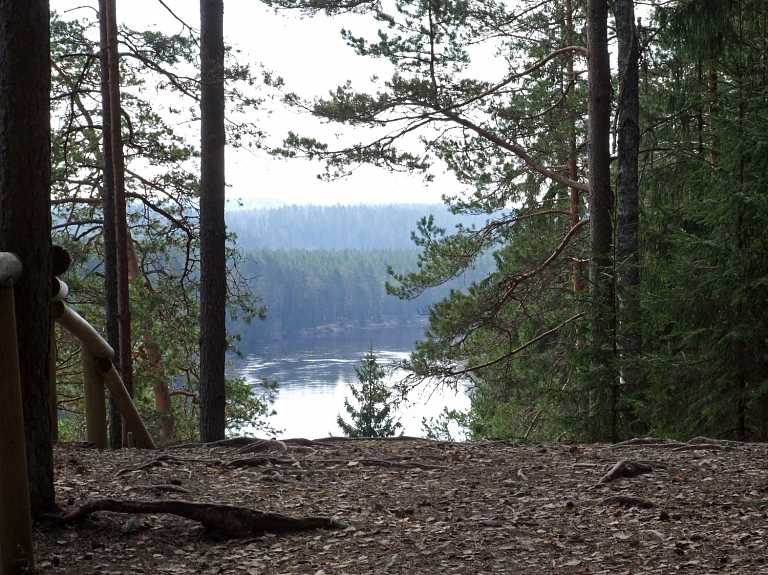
(600, 197)
(121, 224)
(213, 279)
(627, 188)
(25, 219)
(573, 169)
(110, 239)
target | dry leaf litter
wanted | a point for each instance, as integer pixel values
(418, 506)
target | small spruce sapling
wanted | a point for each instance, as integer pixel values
(372, 418)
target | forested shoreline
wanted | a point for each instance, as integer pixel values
(303, 290)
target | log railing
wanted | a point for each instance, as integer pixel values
(15, 520)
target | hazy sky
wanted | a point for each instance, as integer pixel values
(312, 58)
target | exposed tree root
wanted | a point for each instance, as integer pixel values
(225, 519)
(264, 445)
(165, 460)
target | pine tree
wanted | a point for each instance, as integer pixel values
(372, 417)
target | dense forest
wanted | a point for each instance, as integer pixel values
(334, 289)
(620, 219)
(338, 227)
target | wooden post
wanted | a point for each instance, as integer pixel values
(125, 403)
(15, 519)
(95, 404)
(53, 398)
(104, 354)
(81, 329)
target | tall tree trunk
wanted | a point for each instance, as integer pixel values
(213, 278)
(25, 219)
(110, 239)
(627, 188)
(601, 198)
(573, 169)
(121, 223)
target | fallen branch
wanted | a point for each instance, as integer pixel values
(625, 468)
(335, 439)
(259, 461)
(225, 519)
(378, 463)
(701, 446)
(628, 501)
(646, 441)
(166, 488)
(303, 442)
(157, 462)
(232, 441)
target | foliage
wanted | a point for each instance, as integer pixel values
(510, 139)
(162, 189)
(375, 402)
(439, 429)
(705, 237)
(518, 336)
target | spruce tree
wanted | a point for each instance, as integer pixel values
(372, 417)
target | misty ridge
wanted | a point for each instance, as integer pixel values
(338, 227)
(325, 267)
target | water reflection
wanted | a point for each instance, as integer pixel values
(314, 373)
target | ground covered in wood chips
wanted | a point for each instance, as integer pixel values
(418, 506)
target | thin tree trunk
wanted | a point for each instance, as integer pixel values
(110, 239)
(121, 224)
(627, 187)
(601, 197)
(573, 169)
(213, 279)
(25, 219)
(163, 403)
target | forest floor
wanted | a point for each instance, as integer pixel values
(418, 506)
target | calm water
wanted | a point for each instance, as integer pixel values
(315, 373)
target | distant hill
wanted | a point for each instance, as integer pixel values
(337, 227)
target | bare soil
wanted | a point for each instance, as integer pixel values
(417, 506)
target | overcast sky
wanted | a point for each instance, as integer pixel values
(312, 58)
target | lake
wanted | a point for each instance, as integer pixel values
(315, 372)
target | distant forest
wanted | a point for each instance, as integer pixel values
(307, 289)
(360, 227)
(323, 266)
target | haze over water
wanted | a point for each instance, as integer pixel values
(314, 374)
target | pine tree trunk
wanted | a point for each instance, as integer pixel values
(213, 279)
(573, 169)
(25, 219)
(110, 239)
(627, 188)
(121, 224)
(601, 198)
